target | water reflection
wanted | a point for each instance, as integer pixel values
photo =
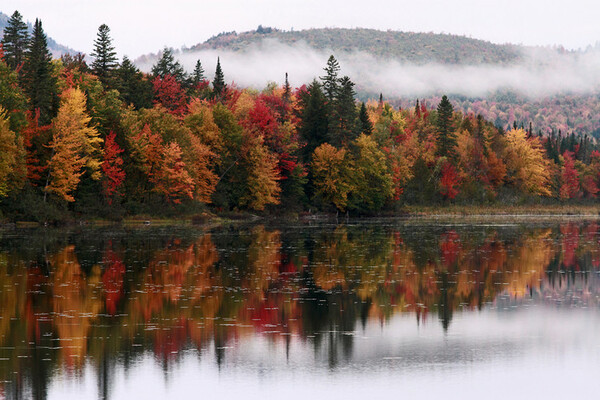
(103, 299)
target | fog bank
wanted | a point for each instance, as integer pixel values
(542, 72)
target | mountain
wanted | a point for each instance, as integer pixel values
(412, 47)
(55, 48)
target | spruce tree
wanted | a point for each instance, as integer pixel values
(330, 80)
(287, 90)
(313, 119)
(167, 65)
(366, 126)
(105, 56)
(446, 136)
(39, 83)
(343, 116)
(15, 41)
(219, 86)
(132, 85)
(198, 74)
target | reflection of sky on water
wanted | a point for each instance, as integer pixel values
(527, 352)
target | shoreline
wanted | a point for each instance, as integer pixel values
(452, 212)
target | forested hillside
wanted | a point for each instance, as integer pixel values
(403, 46)
(564, 113)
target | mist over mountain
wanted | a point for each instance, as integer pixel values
(550, 87)
(55, 48)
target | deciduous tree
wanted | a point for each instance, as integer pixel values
(75, 147)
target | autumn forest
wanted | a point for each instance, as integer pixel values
(101, 138)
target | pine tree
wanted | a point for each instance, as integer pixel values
(366, 126)
(219, 86)
(105, 56)
(39, 83)
(15, 41)
(198, 74)
(330, 80)
(167, 65)
(446, 136)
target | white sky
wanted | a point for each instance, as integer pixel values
(140, 27)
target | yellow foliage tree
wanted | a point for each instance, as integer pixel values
(75, 146)
(332, 175)
(263, 175)
(199, 161)
(372, 182)
(526, 165)
(12, 157)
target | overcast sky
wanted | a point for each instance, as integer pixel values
(140, 27)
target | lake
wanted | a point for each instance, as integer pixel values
(365, 309)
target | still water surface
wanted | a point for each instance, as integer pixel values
(361, 310)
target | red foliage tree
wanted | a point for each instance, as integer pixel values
(112, 167)
(449, 181)
(169, 94)
(35, 140)
(569, 188)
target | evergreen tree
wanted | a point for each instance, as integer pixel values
(366, 126)
(446, 135)
(330, 80)
(105, 56)
(287, 90)
(343, 116)
(15, 41)
(132, 85)
(39, 83)
(167, 65)
(219, 86)
(313, 119)
(198, 74)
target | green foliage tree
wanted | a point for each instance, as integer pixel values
(372, 183)
(219, 86)
(167, 65)
(287, 90)
(133, 87)
(198, 74)
(12, 97)
(343, 116)
(105, 57)
(446, 139)
(38, 79)
(330, 80)
(15, 41)
(365, 124)
(313, 119)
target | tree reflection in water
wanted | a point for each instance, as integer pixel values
(102, 298)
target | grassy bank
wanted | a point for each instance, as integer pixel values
(554, 210)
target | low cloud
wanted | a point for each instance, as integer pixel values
(542, 72)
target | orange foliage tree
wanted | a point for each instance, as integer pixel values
(75, 145)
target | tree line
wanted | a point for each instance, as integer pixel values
(105, 139)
